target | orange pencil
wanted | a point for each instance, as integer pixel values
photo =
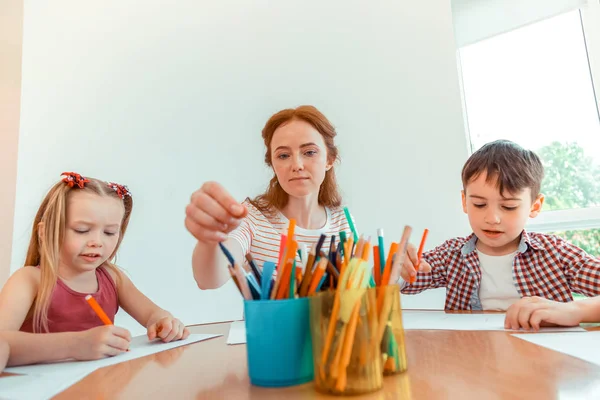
(290, 235)
(376, 266)
(385, 278)
(282, 243)
(317, 275)
(366, 249)
(286, 271)
(358, 248)
(98, 310)
(388, 264)
(290, 253)
(413, 279)
(330, 267)
(347, 254)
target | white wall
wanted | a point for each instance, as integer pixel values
(163, 96)
(11, 32)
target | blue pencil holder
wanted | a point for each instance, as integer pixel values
(278, 342)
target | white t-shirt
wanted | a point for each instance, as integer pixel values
(260, 235)
(497, 290)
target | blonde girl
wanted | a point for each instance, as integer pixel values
(75, 236)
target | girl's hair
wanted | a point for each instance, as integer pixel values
(48, 233)
(275, 197)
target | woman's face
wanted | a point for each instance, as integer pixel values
(299, 158)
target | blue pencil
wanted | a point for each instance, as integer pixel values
(227, 253)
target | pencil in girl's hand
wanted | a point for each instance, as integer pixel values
(98, 310)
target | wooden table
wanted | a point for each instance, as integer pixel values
(442, 365)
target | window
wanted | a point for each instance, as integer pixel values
(586, 239)
(534, 85)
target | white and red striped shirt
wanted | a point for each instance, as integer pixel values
(260, 235)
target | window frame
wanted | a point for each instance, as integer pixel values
(575, 218)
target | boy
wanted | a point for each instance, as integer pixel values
(499, 263)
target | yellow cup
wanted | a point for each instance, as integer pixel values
(346, 347)
(393, 346)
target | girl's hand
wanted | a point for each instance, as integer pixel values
(167, 329)
(102, 341)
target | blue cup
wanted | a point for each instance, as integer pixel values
(278, 342)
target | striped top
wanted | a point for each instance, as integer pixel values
(260, 235)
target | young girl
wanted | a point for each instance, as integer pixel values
(4, 351)
(76, 233)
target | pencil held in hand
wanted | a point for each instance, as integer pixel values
(413, 279)
(98, 310)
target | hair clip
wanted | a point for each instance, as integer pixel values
(121, 190)
(73, 178)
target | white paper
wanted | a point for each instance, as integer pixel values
(237, 333)
(580, 345)
(464, 322)
(36, 387)
(140, 347)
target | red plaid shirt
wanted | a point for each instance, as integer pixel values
(545, 266)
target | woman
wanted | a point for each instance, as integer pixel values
(301, 152)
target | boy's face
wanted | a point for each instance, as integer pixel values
(498, 220)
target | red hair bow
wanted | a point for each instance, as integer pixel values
(121, 190)
(73, 178)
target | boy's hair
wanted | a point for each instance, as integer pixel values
(512, 167)
(44, 245)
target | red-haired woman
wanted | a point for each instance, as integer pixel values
(301, 151)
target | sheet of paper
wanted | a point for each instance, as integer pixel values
(580, 345)
(140, 347)
(36, 387)
(463, 322)
(237, 333)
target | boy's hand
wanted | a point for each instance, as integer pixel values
(409, 266)
(533, 312)
(102, 341)
(168, 329)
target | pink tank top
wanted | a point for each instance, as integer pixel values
(69, 312)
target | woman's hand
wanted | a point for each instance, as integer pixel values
(212, 213)
(168, 329)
